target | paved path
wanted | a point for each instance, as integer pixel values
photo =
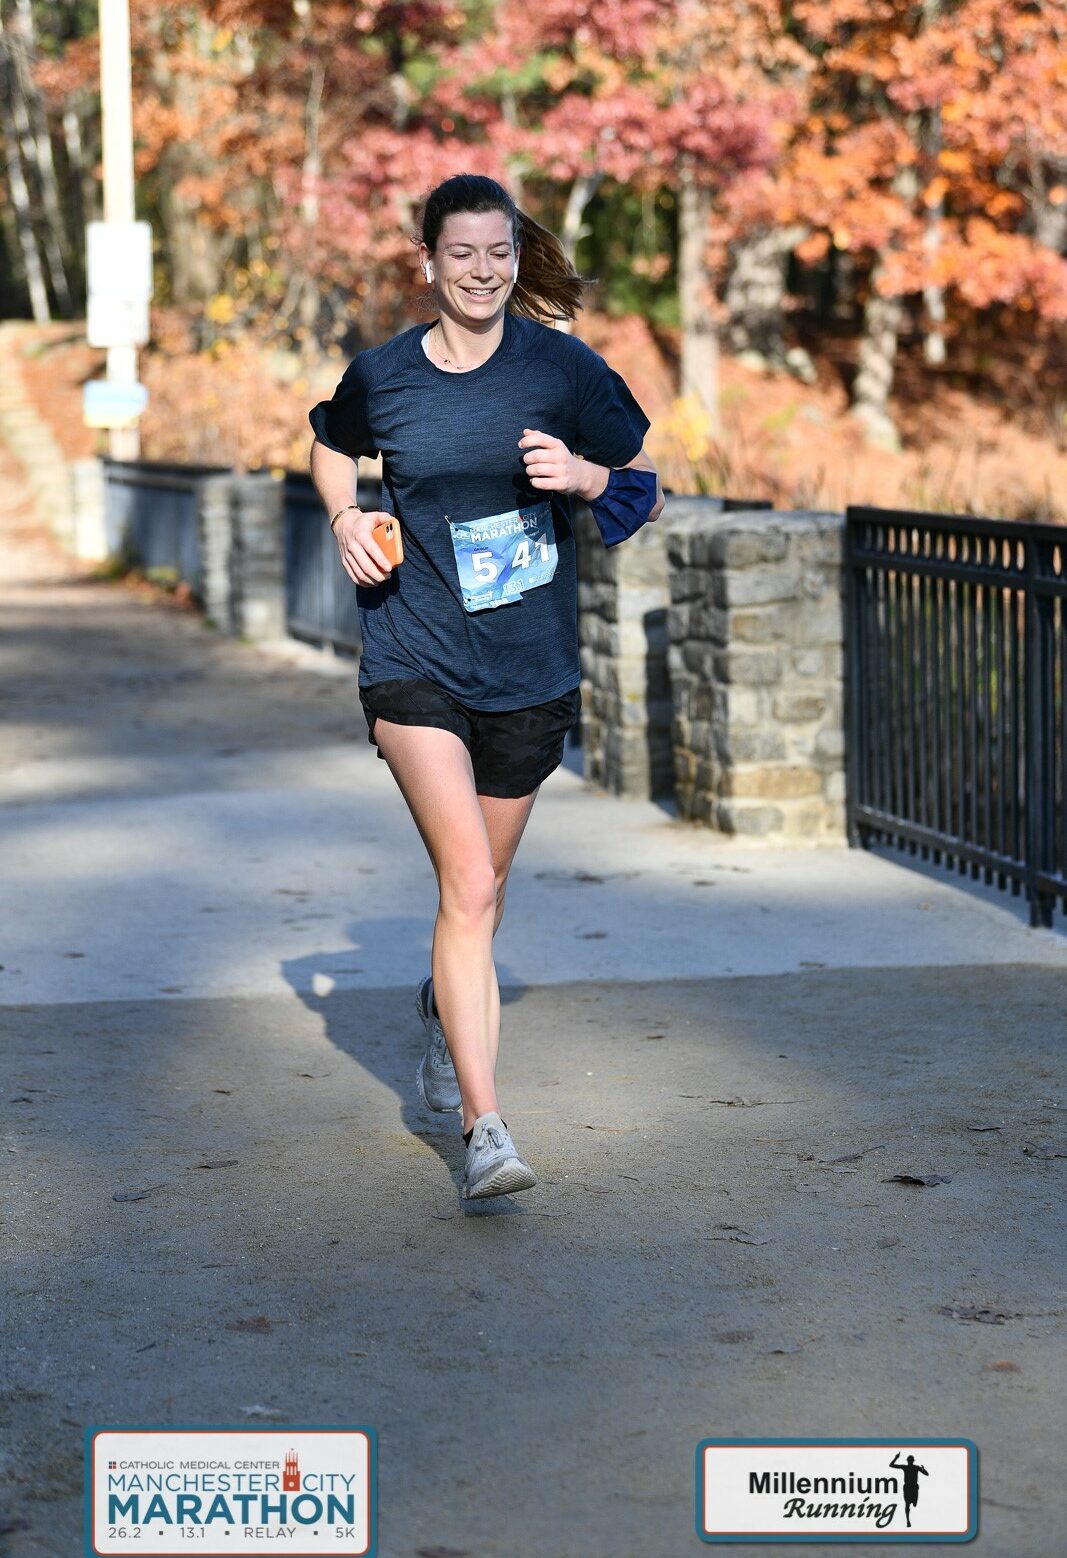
(714, 1056)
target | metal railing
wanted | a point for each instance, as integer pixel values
(320, 598)
(152, 508)
(956, 695)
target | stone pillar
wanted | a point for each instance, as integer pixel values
(215, 502)
(756, 625)
(622, 633)
(91, 540)
(257, 564)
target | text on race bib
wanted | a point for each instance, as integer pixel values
(502, 556)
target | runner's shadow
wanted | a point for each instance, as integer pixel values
(376, 1024)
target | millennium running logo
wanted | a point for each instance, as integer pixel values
(868, 1498)
(861, 1490)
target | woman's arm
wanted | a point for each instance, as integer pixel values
(550, 464)
(334, 477)
(597, 479)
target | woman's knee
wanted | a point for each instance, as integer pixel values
(470, 890)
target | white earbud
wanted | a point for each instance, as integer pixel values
(429, 272)
(515, 272)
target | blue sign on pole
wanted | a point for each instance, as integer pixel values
(105, 404)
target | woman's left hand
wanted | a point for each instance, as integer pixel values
(549, 463)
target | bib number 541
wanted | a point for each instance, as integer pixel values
(486, 568)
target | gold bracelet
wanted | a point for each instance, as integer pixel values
(337, 516)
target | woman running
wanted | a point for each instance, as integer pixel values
(469, 670)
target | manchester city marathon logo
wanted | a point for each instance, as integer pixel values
(836, 1490)
(235, 1491)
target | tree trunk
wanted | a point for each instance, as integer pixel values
(192, 247)
(581, 193)
(933, 295)
(72, 141)
(877, 359)
(510, 116)
(55, 236)
(310, 174)
(20, 194)
(756, 289)
(1049, 221)
(700, 340)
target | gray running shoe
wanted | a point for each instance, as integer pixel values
(493, 1167)
(436, 1075)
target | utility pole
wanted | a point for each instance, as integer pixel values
(120, 248)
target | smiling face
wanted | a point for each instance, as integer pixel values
(473, 265)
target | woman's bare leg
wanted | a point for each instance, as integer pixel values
(505, 820)
(433, 771)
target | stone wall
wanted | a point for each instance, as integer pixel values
(622, 635)
(627, 705)
(756, 626)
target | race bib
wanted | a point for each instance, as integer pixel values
(502, 556)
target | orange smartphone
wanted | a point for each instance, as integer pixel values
(387, 535)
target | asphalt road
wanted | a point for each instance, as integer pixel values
(715, 1056)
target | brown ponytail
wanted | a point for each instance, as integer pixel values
(548, 286)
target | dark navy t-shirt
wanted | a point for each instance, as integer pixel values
(450, 452)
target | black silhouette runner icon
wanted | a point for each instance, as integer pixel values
(911, 1483)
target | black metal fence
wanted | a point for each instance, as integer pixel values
(152, 512)
(320, 597)
(956, 695)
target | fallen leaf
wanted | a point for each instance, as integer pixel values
(649, 1036)
(222, 1089)
(134, 1195)
(917, 1179)
(257, 1323)
(737, 1234)
(593, 935)
(753, 1103)
(788, 1347)
(973, 1127)
(887, 1241)
(851, 1157)
(975, 1312)
(1004, 1366)
(1035, 1149)
(218, 1163)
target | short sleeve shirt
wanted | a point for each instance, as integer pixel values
(450, 452)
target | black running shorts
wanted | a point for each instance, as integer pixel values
(511, 750)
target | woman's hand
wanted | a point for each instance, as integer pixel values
(550, 464)
(361, 556)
